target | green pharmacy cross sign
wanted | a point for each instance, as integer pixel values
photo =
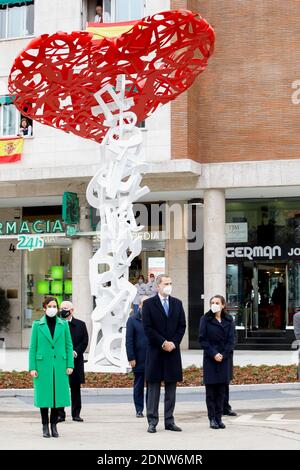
(70, 208)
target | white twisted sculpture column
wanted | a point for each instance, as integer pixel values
(113, 190)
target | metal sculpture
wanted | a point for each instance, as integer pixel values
(98, 84)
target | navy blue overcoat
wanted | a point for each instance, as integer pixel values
(216, 337)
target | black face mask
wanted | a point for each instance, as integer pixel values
(65, 313)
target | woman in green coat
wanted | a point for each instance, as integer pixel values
(50, 362)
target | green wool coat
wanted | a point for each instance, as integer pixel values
(51, 357)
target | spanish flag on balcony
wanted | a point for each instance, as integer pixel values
(109, 30)
(11, 149)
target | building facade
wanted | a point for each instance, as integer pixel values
(224, 156)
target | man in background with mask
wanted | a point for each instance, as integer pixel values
(80, 341)
(136, 346)
(141, 290)
(151, 286)
(164, 326)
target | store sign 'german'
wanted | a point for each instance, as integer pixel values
(263, 252)
(14, 227)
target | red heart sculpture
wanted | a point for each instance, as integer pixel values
(55, 77)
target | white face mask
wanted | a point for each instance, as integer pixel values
(215, 308)
(167, 290)
(51, 311)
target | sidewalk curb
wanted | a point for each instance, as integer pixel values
(28, 392)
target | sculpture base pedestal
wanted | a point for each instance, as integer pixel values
(106, 369)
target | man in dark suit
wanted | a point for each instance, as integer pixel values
(136, 346)
(164, 325)
(80, 341)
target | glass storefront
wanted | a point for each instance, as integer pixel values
(151, 216)
(45, 272)
(269, 221)
(263, 262)
(149, 261)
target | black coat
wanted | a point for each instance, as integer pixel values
(231, 354)
(161, 365)
(136, 342)
(80, 339)
(217, 338)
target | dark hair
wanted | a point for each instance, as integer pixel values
(47, 301)
(224, 314)
(220, 297)
(141, 277)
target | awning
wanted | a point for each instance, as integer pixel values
(11, 2)
(6, 99)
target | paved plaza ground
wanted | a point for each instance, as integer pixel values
(269, 418)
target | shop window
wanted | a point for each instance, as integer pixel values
(293, 273)
(130, 10)
(46, 272)
(269, 221)
(150, 261)
(11, 121)
(9, 117)
(232, 292)
(97, 11)
(16, 19)
(110, 11)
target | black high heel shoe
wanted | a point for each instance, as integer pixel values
(46, 432)
(54, 430)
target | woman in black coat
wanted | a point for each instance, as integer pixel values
(216, 336)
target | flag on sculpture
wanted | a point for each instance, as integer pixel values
(11, 149)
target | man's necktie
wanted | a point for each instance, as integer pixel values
(166, 307)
